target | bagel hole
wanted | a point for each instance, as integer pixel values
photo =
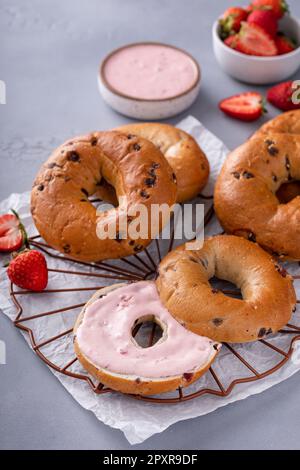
(146, 331)
(228, 288)
(105, 192)
(288, 191)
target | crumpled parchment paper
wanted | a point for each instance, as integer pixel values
(140, 420)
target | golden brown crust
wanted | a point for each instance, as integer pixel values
(268, 293)
(246, 198)
(188, 161)
(59, 200)
(142, 386)
(286, 123)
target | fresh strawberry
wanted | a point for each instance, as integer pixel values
(280, 96)
(265, 19)
(28, 270)
(231, 41)
(279, 7)
(247, 106)
(12, 232)
(253, 40)
(284, 44)
(231, 21)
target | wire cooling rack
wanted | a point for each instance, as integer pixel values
(139, 267)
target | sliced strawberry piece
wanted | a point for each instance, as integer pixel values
(279, 7)
(231, 41)
(247, 106)
(281, 95)
(265, 19)
(231, 21)
(284, 44)
(253, 40)
(11, 237)
(28, 270)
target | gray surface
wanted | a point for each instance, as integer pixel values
(49, 53)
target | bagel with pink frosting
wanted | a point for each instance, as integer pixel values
(105, 346)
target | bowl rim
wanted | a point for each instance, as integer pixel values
(101, 74)
(256, 57)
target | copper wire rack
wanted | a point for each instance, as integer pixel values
(138, 267)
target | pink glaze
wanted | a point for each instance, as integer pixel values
(150, 71)
(104, 336)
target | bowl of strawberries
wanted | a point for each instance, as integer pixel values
(259, 43)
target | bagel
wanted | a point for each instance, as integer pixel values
(60, 207)
(286, 123)
(105, 346)
(267, 290)
(288, 191)
(188, 161)
(249, 198)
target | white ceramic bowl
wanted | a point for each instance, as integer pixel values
(147, 109)
(255, 69)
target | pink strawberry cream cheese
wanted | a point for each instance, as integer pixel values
(150, 71)
(105, 336)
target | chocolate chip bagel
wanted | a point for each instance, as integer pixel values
(286, 123)
(267, 290)
(257, 191)
(60, 204)
(188, 161)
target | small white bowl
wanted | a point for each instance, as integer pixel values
(147, 109)
(255, 69)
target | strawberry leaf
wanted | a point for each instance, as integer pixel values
(22, 230)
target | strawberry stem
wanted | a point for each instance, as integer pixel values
(263, 106)
(285, 7)
(22, 230)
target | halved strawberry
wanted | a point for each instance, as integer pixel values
(11, 232)
(280, 96)
(253, 40)
(231, 20)
(279, 7)
(266, 19)
(284, 44)
(247, 106)
(231, 41)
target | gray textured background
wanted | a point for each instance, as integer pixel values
(49, 54)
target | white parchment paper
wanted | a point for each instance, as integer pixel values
(138, 420)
